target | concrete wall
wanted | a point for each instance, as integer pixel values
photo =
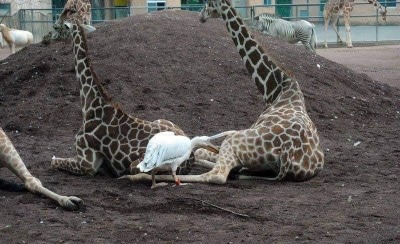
(16, 5)
(140, 6)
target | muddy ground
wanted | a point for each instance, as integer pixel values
(169, 65)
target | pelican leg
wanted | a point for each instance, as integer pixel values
(177, 181)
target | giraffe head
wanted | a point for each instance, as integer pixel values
(82, 8)
(74, 18)
(211, 10)
(382, 10)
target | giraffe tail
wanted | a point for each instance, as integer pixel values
(12, 186)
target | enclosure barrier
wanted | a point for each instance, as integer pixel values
(40, 21)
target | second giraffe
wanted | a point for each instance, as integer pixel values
(283, 139)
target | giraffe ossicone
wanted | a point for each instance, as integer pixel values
(10, 159)
(283, 139)
(109, 141)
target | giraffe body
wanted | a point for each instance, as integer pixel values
(10, 159)
(109, 140)
(82, 8)
(334, 8)
(283, 139)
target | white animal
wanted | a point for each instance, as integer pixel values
(166, 151)
(15, 38)
(290, 31)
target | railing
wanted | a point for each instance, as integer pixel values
(40, 21)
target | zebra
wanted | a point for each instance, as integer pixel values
(290, 31)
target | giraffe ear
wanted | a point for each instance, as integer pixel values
(68, 25)
(88, 28)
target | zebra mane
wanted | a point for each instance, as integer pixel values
(267, 16)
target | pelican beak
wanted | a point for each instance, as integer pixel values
(210, 147)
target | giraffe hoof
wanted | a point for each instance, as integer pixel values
(72, 203)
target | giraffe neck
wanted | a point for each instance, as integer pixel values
(377, 5)
(271, 81)
(92, 92)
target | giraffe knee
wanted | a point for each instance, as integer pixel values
(33, 184)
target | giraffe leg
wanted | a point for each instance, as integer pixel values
(11, 159)
(347, 26)
(204, 163)
(75, 165)
(327, 18)
(218, 175)
(334, 21)
(79, 165)
(286, 159)
(205, 158)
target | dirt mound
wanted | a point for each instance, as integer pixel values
(169, 65)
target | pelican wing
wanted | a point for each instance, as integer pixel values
(177, 147)
(152, 158)
(163, 147)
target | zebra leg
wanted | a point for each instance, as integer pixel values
(306, 42)
(313, 40)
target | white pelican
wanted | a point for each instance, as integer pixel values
(166, 151)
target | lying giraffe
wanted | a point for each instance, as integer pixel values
(283, 139)
(331, 13)
(109, 140)
(10, 158)
(81, 8)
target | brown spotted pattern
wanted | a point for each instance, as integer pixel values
(283, 139)
(10, 159)
(332, 11)
(109, 141)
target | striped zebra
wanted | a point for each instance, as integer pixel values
(290, 31)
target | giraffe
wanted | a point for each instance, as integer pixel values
(81, 7)
(332, 10)
(10, 159)
(109, 140)
(283, 139)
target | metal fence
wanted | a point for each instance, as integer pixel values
(40, 21)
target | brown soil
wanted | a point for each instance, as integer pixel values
(169, 65)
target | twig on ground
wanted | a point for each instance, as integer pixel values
(213, 205)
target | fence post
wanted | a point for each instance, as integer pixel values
(376, 26)
(21, 16)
